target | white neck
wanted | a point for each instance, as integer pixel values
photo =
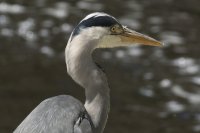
(83, 70)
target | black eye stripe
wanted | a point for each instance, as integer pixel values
(102, 21)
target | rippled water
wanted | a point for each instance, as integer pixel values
(153, 90)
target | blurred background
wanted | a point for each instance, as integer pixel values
(153, 90)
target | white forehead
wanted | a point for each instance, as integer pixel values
(96, 14)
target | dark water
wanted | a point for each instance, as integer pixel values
(153, 90)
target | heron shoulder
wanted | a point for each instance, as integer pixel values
(56, 114)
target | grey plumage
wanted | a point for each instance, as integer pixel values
(65, 114)
(53, 116)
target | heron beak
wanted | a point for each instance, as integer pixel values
(130, 36)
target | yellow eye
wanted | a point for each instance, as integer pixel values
(116, 29)
(113, 29)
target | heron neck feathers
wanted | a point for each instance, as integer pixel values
(83, 70)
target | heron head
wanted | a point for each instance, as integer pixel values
(107, 32)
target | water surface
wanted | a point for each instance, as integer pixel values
(153, 89)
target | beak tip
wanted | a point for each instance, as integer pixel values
(158, 43)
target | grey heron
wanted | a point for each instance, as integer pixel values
(64, 113)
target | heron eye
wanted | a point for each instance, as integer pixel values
(113, 29)
(116, 29)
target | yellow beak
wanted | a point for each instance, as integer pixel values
(130, 36)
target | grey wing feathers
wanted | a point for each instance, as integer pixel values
(82, 124)
(60, 114)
